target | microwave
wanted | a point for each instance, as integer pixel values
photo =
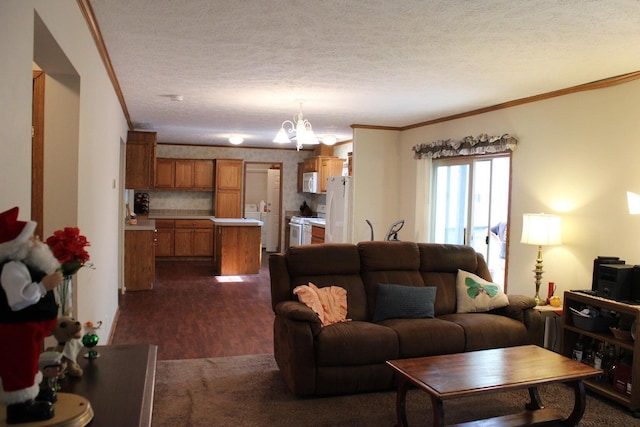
(310, 182)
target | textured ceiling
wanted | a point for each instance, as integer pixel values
(242, 66)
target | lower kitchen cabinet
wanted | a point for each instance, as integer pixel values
(139, 260)
(193, 237)
(317, 234)
(165, 237)
(238, 250)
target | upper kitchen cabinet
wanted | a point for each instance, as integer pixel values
(228, 188)
(325, 166)
(165, 173)
(329, 166)
(141, 160)
(184, 174)
(203, 174)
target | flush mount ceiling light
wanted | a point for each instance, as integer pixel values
(236, 140)
(329, 140)
(303, 131)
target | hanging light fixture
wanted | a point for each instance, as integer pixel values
(301, 126)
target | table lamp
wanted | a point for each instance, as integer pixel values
(541, 230)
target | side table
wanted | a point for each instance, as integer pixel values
(119, 384)
(552, 317)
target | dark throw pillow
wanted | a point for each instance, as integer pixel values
(404, 302)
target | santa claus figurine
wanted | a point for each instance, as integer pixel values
(28, 312)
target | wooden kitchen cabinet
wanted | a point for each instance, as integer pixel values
(228, 188)
(317, 234)
(238, 250)
(139, 260)
(329, 166)
(193, 238)
(300, 176)
(325, 166)
(203, 174)
(140, 160)
(311, 164)
(165, 173)
(184, 174)
(165, 229)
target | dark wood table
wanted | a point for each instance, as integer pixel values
(119, 384)
(465, 374)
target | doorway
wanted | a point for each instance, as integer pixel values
(471, 207)
(263, 200)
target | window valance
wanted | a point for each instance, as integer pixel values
(469, 145)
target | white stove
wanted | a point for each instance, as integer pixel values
(300, 227)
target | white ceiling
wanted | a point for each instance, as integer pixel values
(242, 66)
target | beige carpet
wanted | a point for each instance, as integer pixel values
(248, 391)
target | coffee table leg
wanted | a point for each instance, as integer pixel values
(536, 402)
(579, 405)
(401, 403)
(438, 412)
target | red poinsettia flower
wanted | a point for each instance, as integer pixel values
(68, 246)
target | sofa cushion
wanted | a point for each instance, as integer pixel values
(439, 264)
(474, 294)
(355, 343)
(330, 264)
(427, 337)
(383, 262)
(484, 330)
(404, 302)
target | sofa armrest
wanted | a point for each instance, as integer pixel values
(517, 305)
(521, 308)
(294, 330)
(297, 311)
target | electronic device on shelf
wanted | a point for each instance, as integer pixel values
(614, 279)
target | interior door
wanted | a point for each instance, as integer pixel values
(471, 199)
(273, 210)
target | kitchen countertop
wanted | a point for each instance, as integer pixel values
(142, 225)
(318, 222)
(228, 222)
(178, 216)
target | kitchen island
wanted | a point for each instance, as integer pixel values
(237, 246)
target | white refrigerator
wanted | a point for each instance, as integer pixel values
(338, 217)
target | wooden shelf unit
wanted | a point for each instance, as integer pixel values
(572, 333)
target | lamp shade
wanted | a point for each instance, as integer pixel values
(541, 229)
(281, 137)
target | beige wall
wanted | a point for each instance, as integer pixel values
(577, 156)
(84, 111)
(376, 182)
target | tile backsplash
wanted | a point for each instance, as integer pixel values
(181, 200)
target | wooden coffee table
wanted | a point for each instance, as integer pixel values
(486, 371)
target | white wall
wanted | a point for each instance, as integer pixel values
(100, 128)
(577, 156)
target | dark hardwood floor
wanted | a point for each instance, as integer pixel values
(192, 314)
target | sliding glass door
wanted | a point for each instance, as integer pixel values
(471, 205)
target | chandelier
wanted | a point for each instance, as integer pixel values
(303, 131)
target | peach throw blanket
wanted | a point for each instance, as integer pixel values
(330, 302)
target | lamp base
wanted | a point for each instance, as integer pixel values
(539, 301)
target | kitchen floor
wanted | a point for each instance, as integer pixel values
(192, 314)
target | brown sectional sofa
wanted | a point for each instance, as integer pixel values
(350, 357)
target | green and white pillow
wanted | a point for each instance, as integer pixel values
(474, 294)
